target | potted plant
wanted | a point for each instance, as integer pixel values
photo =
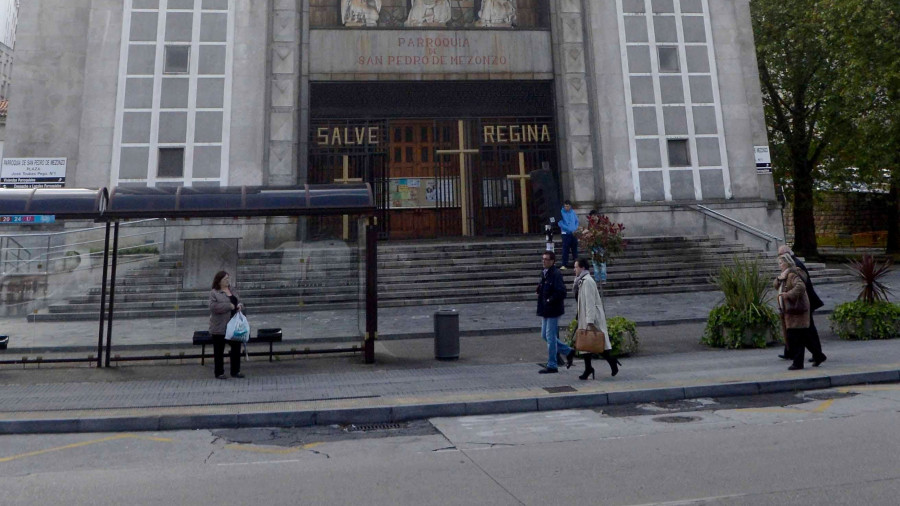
(604, 239)
(871, 315)
(745, 319)
(623, 335)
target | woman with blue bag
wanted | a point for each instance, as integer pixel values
(223, 305)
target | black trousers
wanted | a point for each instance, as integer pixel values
(797, 341)
(219, 343)
(811, 343)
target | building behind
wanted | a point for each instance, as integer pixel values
(635, 107)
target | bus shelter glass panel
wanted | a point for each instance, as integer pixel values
(309, 288)
(52, 276)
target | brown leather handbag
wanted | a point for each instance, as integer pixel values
(590, 341)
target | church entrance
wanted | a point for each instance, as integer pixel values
(437, 177)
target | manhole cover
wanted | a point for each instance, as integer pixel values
(369, 427)
(676, 419)
(559, 390)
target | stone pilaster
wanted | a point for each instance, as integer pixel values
(284, 83)
(575, 123)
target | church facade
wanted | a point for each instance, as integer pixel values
(451, 109)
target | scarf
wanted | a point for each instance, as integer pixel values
(578, 280)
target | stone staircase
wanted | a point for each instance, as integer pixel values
(323, 277)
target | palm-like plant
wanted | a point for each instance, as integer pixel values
(870, 273)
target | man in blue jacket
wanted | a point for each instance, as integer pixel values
(551, 294)
(568, 225)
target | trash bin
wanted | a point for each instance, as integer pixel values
(4, 341)
(446, 334)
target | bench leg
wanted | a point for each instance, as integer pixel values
(270, 352)
(202, 354)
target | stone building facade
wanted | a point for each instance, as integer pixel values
(640, 108)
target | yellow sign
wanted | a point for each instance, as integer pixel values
(512, 134)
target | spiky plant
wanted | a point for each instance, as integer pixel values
(869, 273)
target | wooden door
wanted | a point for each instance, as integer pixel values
(422, 204)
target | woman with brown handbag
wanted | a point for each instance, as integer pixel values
(592, 336)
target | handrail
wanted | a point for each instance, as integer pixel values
(78, 231)
(50, 252)
(728, 220)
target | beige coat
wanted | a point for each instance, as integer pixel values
(590, 308)
(792, 291)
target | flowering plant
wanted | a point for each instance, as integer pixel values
(604, 238)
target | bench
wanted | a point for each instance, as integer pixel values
(204, 338)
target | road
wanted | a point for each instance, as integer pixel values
(835, 446)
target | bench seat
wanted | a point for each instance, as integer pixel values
(203, 338)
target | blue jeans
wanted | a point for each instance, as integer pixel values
(550, 333)
(569, 242)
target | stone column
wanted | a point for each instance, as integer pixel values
(283, 104)
(283, 135)
(575, 121)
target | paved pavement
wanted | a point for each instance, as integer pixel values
(496, 373)
(393, 323)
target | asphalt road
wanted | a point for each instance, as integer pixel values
(835, 446)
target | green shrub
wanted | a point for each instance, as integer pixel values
(745, 319)
(729, 327)
(860, 320)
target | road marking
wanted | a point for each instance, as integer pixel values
(869, 388)
(821, 408)
(85, 443)
(257, 463)
(272, 451)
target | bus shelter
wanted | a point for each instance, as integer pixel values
(302, 258)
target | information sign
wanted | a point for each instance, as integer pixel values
(33, 173)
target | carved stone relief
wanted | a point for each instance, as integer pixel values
(497, 13)
(429, 13)
(360, 12)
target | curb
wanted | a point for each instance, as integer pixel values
(404, 413)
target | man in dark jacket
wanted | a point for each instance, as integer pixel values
(551, 294)
(813, 344)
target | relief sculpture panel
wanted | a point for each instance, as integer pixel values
(360, 12)
(497, 13)
(429, 13)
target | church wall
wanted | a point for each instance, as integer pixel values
(614, 157)
(248, 103)
(46, 105)
(99, 104)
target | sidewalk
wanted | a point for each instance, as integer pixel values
(495, 374)
(393, 323)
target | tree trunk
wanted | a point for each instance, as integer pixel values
(893, 212)
(804, 216)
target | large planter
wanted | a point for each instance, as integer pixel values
(730, 328)
(861, 321)
(750, 336)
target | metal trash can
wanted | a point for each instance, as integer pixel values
(446, 334)
(4, 342)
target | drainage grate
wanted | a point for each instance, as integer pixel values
(560, 390)
(369, 427)
(676, 419)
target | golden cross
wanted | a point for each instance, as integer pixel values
(347, 179)
(522, 177)
(463, 185)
